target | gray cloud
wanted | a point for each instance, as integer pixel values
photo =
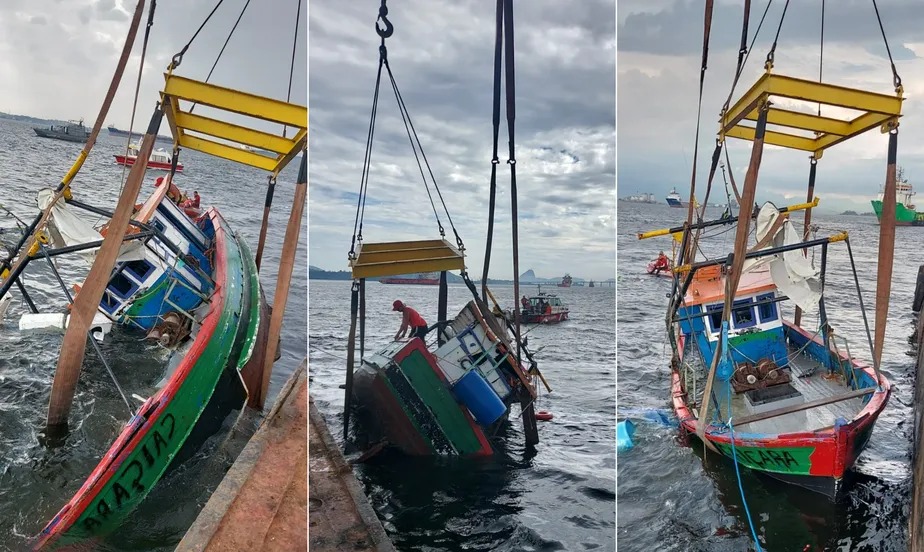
(442, 58)
(659, 47)
(79, 46)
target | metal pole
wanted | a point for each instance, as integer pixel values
(797, 318)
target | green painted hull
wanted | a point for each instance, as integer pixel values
(903, 215)
(156, 435)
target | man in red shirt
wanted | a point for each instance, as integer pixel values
(410, 320)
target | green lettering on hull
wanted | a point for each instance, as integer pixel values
(790, 460)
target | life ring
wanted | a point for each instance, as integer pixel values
(544, 416)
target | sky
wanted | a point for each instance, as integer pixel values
(442, 56)
(659, 48)
(57, 57)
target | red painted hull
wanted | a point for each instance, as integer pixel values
(554, 318)
(835, 449)
(152, 165)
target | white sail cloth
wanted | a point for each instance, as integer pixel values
(66, 228)
(792, 272)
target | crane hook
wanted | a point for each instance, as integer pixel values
(383, 17)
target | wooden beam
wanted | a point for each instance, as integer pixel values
(804, 406)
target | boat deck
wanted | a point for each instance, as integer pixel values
(814, 385)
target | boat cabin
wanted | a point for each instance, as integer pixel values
(756, 326)
(150, 278)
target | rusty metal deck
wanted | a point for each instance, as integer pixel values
(340, 516)
(262, 503)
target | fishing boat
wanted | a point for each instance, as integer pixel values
(113, 131)
(905, 212)
(183, 281)
(543, 308)
(566, 281)
(782, 395)
(441, 399)
(207, 312)
(450, 391)
(73, 132)
(159, 160)
(422, 279)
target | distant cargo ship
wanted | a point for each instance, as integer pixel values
(424, 278)
(117, 132)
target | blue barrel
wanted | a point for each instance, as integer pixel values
(476, 394)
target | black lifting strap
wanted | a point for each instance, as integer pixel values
(492, 198)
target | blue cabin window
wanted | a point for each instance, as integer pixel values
(122, 286)
(767, 311)
(715, 316)
(139, 269)
(743, 314)
(159, 225)
(109, 302)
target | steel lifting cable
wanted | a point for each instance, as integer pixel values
(298, 15)
(131, 125)
(364, 180)
(414, 139)
(223, 46)
(178, 57)
(896, 80)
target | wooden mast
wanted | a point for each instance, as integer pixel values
(737, 261)
(886, 248)
(87, 301)
(284, 277)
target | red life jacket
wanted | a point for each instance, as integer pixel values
(414, 319)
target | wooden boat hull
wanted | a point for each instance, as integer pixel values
(816, 460)
(152, 440)
(152, 165)
(408, 403)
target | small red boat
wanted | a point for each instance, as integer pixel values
(160, 159)
(544, 308)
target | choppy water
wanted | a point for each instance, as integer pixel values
(671, 499)
(36, 481)
(560, 498)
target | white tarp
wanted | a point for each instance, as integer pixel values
(793, 273)
(68, 228)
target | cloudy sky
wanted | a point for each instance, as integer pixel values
(57, 57)
(659, 47)
(442, 56)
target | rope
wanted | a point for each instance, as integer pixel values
(131, 125)
(178, 57)
(896, 80)
(298, 14)
(225, 45)
(364, 181)
(738, 474)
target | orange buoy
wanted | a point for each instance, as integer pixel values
(544, 416)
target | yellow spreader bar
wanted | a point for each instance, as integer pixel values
(280, 150)
(666, 231)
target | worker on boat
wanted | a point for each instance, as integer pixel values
(548, 308)
(195, 199)
(661, 263)
(410, 320)
(525, 302)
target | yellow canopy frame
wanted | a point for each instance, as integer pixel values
(181, 122)
(876, 110)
